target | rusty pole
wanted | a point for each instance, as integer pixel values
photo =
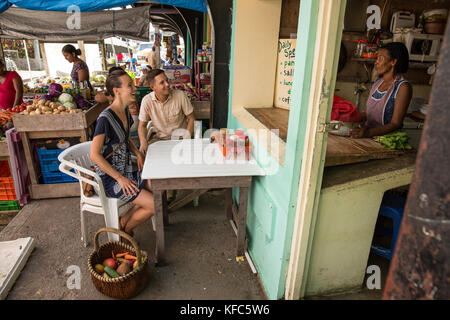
(420, 268)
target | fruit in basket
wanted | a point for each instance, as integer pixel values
(105, 275)
(111, 272)
(124, 268)
(110, 262)
(99, 268)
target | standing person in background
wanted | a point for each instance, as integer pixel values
(119, 57)
(80, 70)
(11, 88)
(132, 63)
(389, 96)
(151, 58)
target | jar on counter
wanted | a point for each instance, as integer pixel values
(371, 51)
(360, 48)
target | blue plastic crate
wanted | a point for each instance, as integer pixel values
(57, 177)
(50, 166)
(49, 159)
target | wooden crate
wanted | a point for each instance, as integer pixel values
(53, 126)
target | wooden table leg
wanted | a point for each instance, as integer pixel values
(165, 209)
(229, 203)
(159, 212)
(29, 157)
(242, 221)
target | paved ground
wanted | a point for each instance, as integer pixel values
(199, 243)
(200, 251)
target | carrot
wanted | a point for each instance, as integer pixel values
(130, 257)
(120, 255)
(135, 264)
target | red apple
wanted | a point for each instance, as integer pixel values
(110, 262)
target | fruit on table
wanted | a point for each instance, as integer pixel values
(99, 268)
(111, 272)
(110, 262)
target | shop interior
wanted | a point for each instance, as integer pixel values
(420, 25)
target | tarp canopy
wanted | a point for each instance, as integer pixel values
(63, 27)
(93, 5)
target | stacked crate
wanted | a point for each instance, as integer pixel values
(50, 167)
(8, 198)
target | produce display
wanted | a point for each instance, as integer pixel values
(56, 101)
(119, 265)
(395, 140)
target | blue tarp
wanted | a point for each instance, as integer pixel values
(90, 5)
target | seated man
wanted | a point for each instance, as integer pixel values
(167, 109)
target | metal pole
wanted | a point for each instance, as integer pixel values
(420, 266)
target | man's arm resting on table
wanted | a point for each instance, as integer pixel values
(142, 132)
(190, 125)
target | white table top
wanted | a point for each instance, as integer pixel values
(193, 158)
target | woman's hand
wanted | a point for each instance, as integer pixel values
(128, 186)
(360, 132)
(140, 160)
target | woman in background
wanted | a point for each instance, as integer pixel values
(80, 70)
(389, 96)
(11, 88)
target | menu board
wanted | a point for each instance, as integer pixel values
(285, 73)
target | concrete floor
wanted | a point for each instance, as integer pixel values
(200, 246)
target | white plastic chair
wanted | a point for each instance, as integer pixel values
(77, 157)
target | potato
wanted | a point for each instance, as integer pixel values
(78, 110)
(41, 102)
(47, 103)
(30, 108)
(25, 112)
(62, 108)
(38, 111)
(72, 111)
(32, 113)
(48, 112)
(56, 112)
(46, 109)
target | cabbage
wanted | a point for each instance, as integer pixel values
(81, 102)
(65, 97)
(70, 104)
(55, 89)
(46, 97)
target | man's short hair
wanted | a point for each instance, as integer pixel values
(152, 74)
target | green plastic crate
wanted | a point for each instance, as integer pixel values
(9, 205)
(141, 92)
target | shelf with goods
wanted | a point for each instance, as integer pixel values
(199, 82)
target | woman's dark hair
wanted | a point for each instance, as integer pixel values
(113, 81)
(68, 48)
(114, 69)
(397, 50)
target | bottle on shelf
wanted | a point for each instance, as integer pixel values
(88, 90)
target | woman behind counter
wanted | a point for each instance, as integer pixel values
(11, 88)
(390, 95)
(80, 70)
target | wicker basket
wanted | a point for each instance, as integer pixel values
(126, 286)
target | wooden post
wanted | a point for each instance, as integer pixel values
(44, 58)
(2, 55)
(83, 53)
(101, 44)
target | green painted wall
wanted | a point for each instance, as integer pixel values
(272, 199)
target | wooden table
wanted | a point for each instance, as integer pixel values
(197, 164)
(53, 126)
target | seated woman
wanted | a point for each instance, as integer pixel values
(110, 151)
(11, 88)
(390, 95)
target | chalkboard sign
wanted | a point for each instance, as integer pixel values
(285, 73)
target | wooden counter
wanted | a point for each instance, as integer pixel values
(53, 127)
